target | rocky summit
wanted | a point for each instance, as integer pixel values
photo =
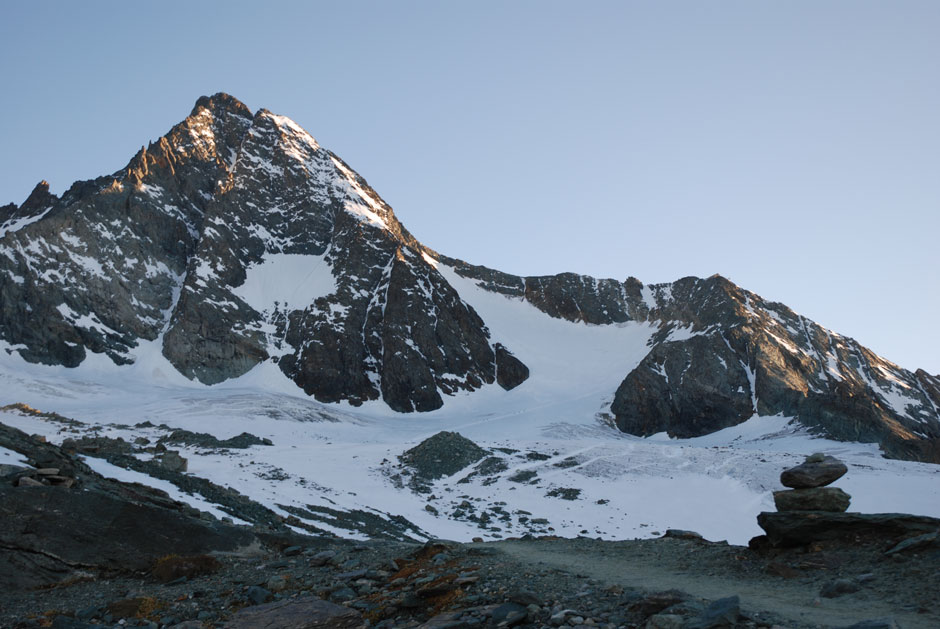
(236, 240)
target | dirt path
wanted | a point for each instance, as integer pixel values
(651, 568)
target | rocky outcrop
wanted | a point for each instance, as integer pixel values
(510, 371)
(58, 530)
(686, 388)
(728, 351)
(443, 454)
(794, 528)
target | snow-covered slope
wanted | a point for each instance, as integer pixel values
(557, 462)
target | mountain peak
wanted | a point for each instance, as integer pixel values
(39, 196)
(221, 102)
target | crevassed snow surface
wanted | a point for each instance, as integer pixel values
(345, 458)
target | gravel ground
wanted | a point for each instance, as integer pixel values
(545, 582)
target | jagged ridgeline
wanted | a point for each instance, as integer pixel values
(236, 239)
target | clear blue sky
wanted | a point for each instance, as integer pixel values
(793, 147)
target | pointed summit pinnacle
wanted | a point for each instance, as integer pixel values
(221, 102)
(40, 196)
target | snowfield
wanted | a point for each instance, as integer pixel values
(563, 468)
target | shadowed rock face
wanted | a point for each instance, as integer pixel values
(655, 397)
(50, 533)
(162, 250)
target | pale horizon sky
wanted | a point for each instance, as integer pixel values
(791, 147)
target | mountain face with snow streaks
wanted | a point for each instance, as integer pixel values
(235, 239)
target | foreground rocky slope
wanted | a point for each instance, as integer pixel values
(671, 582)
(236, 239)
(679, 580)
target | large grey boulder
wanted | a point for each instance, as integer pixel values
(813, 499)
(817, 471)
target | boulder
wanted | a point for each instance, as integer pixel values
(919, 542)
(682, 534)
(721, 613)
(172, 461)
(813, 499)
(817, 471)
(509, 615)
(795, 528)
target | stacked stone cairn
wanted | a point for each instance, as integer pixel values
(808, 486)
(26, 477)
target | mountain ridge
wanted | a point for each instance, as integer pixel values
(164, 249)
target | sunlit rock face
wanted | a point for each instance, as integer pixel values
(236, 239)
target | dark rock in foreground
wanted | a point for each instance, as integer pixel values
(51, 533)
(721, 613)
(816, 499)
(795, 528)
